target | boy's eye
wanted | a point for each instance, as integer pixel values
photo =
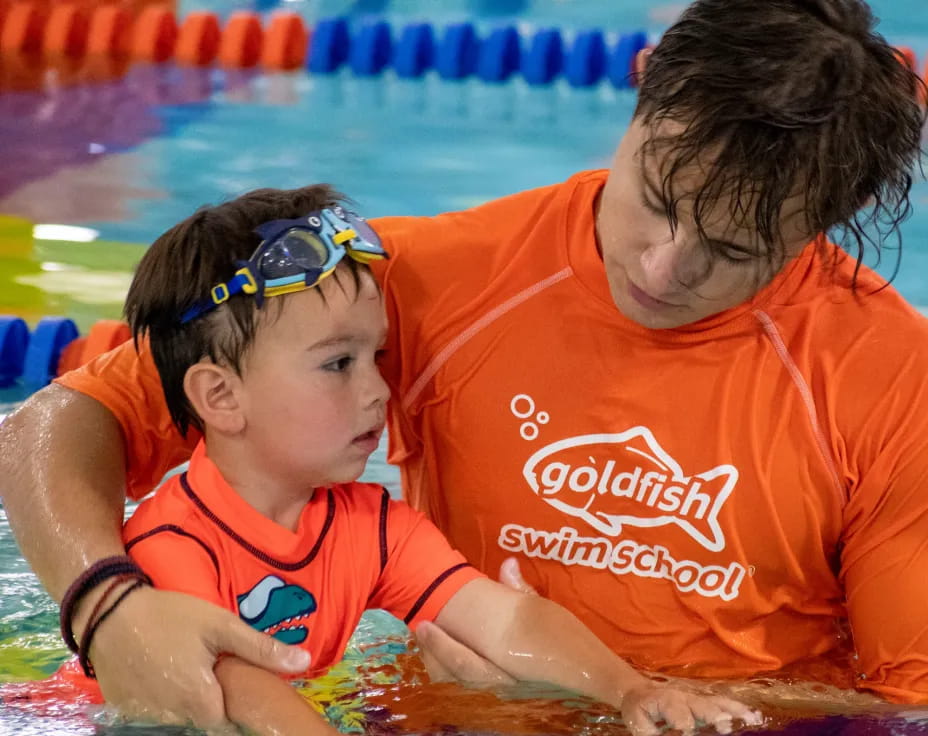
(339, 364)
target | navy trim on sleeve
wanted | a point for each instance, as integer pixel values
(174, 529)
(384, 508)
(431, 589)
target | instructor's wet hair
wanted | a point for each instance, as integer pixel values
(780, 97)
(181, 267)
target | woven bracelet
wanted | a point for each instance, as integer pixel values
(115, 582)
(83, 654)
(97, 573)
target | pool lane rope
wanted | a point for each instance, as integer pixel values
(55, 346)
(71, 31)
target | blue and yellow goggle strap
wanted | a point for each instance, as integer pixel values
(339, 231)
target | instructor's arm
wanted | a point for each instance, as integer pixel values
(62, 483)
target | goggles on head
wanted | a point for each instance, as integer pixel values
(295, 255)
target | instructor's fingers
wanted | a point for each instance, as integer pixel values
(510, 575)
(447, 659)
(231, 635)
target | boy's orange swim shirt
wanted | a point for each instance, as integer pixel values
(354, 549)
(714, 500)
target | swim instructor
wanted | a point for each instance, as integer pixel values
(693, 420)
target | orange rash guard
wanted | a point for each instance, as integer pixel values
(715, 500)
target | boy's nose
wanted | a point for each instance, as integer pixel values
(379, 389)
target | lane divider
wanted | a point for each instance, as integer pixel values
(282, 42)
(52, 348)
(48, 339)
(198, 40)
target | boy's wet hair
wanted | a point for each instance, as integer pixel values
(782, 97)
(181, 267)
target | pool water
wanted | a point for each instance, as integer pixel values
(124, 159)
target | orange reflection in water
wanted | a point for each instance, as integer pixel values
(29, 72)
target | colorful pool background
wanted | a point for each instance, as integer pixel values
(129, 157)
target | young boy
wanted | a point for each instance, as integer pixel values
(274, 359)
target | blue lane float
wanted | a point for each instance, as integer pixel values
(49, 338)
(620, 65)
(331, 42)
(371, 49)
(456, 54)
(499, 55)
(414, 53)
(14, 341)
(585, 64)
(543, 58)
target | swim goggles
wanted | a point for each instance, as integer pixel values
(295, 255)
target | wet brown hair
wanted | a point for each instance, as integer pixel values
(181, 267)
(786, 96)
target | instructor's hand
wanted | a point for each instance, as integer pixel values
(447, 659)
(510, 575)
(154, 656)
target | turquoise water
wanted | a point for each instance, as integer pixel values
(129, 158)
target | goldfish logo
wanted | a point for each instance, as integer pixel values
(610, 480)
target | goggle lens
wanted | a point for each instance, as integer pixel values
(365, 231)
(296, 252)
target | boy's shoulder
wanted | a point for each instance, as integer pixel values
(370, 505)
(169, 506)
(358, 497)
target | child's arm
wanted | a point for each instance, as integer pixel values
(532, 638)
(255, 698)
(262, 703)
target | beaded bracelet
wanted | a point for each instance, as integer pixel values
(97, 573)
(83, 654)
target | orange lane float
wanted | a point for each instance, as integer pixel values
(71, 355)
(103, 337)
(154, 34)
(23, 27)
(66, 32)
(198, 39)
(242, 40)
(110, 31)
(285, 43)
(907, 55)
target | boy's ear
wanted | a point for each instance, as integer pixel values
(213, 391)
(641, 62)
